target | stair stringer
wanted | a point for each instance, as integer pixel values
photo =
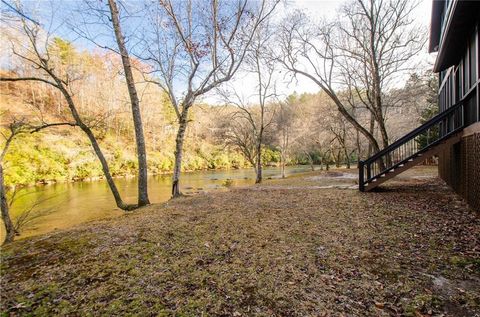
(434, 150)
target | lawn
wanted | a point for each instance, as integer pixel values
(309, 245)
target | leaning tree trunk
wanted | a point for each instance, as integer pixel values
(135, 102)
(368, 134)
(9, 228)
(96, 147)
(179, 153)
(106, 170)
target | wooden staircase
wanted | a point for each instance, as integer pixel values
(428, 140)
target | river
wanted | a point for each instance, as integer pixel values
(63, 205)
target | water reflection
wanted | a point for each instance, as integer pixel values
(69, 204)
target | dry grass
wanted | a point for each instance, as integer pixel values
(285, 248)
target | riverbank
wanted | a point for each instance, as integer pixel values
(285, 248)
(63, 205)
(63, 155)
(101, 177)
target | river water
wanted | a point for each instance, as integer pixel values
(63, 205)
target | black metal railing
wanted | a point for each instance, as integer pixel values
(412, 144)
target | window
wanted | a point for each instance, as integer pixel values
(458, 84)
(471, 108)
(473, 60)
(466, 83)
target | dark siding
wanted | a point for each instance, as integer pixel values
(459, 165)
(461, 82)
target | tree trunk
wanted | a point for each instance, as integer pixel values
(371, 147)
(259, 164)
(310, 160)
(347, 158)
(383, 132)
(96, 147)
(368, 134)
(259, 153)
(137, 116)
(284, 148)
(106, 170)
(282, 164)
(358, 147)
(179, 152)
(9, 228)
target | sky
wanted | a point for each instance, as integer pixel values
(327, 9)
(245, 84)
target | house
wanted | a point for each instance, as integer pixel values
(454, 36)
(453, 134)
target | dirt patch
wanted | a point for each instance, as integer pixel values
(270, 250)
(334, 176)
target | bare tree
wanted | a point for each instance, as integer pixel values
(14, 128)
(341, 136)
(135, 103)
(378, 40)
(95, 23)
(7, 221)
(284, 120)
(360, 54)
(261, 66)
(49, 69)
(194, 47)
(235, 130)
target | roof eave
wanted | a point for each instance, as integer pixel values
(435, 25)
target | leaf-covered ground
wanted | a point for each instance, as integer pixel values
(293, 247)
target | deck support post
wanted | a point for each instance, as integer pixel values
(361, 176)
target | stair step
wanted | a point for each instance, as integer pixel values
(414, 159)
